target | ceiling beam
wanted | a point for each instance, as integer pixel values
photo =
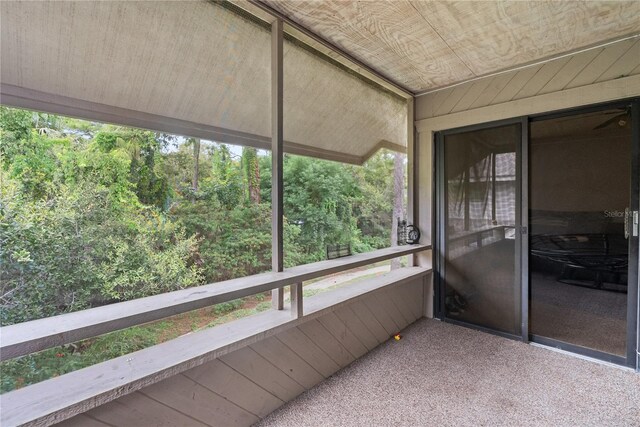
(360, 66)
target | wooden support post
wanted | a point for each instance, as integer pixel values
(412, 172)
(277, 265)
(296, 300)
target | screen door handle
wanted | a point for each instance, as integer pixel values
(630, 222)
(626, 223)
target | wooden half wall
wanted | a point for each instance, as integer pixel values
(241, 387)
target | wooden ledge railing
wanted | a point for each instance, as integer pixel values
(36, 335)
(60, 398)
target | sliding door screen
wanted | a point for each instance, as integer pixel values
(480, 192)
(580, 174)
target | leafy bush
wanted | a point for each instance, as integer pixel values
(92, 214)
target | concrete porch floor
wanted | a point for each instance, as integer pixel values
(445, 375)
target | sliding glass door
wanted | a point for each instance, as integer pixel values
(536, 229)
(582, 232)
(480, 246)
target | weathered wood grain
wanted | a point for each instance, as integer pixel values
(477, 88)
(251, 380)
(581, 69)
(601, 63)
(519, 80)
(136, 409)
(385, 319)
(570, 70)
(386, 303)
(230, 384)
(343, 335)
(63, 397)
(259, 370)
(82, 421)
(568, 98)
(370, 321)
(281, 356)
(490, 36)
(498, 83)
(425, 45)
(308, 350)
(541, 78)
(353, 322)
(624, 65)
(323, 338)
(188, 397)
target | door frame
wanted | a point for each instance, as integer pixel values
(632, 358)
(440, 226)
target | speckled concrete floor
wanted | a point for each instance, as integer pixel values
(445, 375)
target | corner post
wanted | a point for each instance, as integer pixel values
(412, 171)
(277, 265)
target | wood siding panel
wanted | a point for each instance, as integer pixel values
(406, 307)
(570, 70)
(82, 420)
(323, 338)
(381, 313)
(255, 367)
(188, 397)
(136, 409)
(438, 99)
(344, 335)
(541, 78)
(519, 80)
(471, 96)
(601, 63)
(498, 83)
(288, 361)
(411, 294)
(452, 99)
(624, 65)
(581, 69)
(304, 347)
(387, 304)
(353, 322)
(371, 322)
(235, 387)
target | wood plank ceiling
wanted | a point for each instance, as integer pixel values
(425, 45)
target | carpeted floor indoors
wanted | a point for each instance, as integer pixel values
(586, 317)
(445, 375)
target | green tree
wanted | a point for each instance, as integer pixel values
(319, 197)
(251, 174)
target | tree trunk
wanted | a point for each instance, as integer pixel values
(251, 168)
(398, 201)
(254, 190)
(196, 161)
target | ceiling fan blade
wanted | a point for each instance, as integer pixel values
(610, 121)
